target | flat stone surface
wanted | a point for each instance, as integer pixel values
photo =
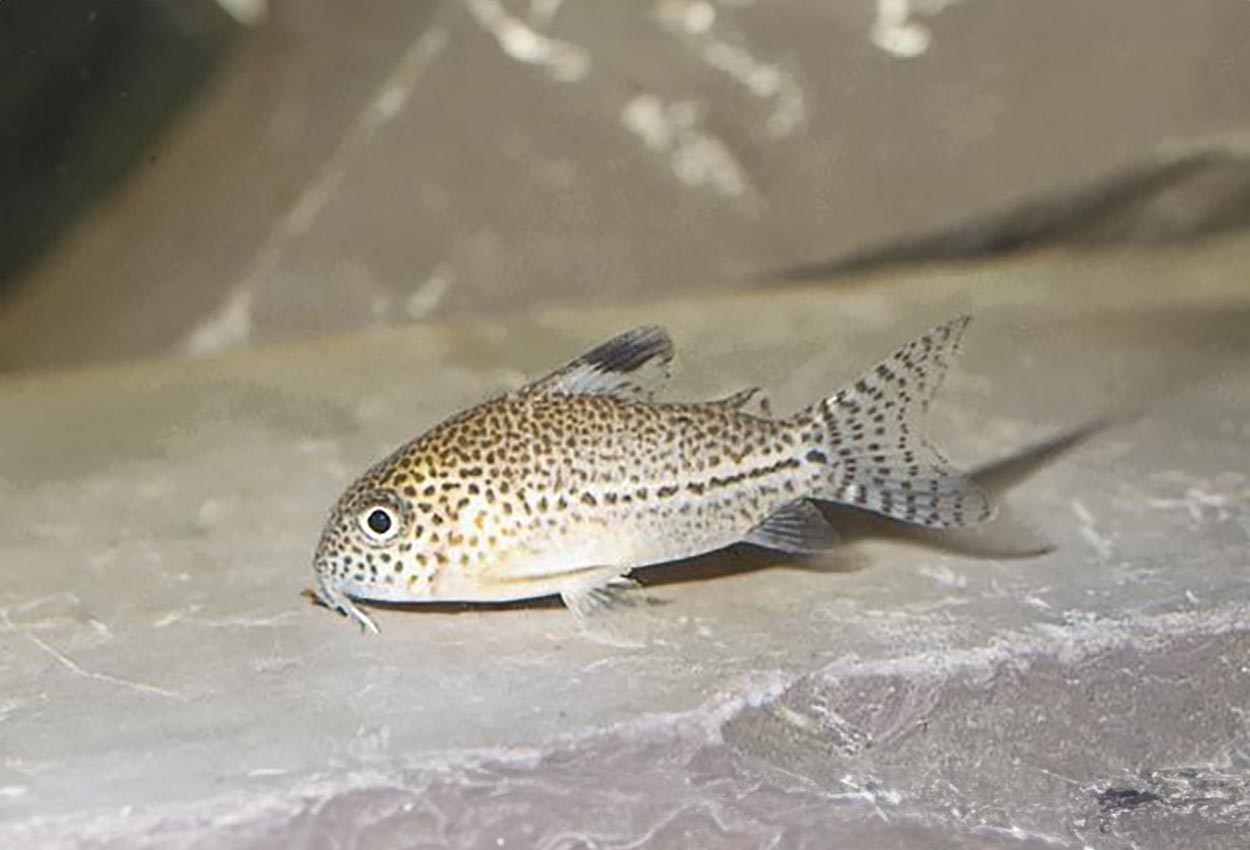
(163, 683)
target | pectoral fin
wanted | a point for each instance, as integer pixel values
(587, 600)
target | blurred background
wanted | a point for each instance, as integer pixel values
(192, 176)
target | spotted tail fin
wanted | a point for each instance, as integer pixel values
(862, 448)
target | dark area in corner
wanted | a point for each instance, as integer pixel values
(85, 87)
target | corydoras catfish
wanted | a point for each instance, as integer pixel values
(567, 484)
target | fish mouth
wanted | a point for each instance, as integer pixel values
(321, 573)
(327, 596)
(340, 603)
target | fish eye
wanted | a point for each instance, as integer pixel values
(380, 523)
(379, 520)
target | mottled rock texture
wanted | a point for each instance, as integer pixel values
(164, 683)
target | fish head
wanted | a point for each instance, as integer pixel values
(369, 550)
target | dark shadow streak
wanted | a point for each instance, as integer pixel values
(1101, 212)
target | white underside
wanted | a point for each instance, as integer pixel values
(564, 564)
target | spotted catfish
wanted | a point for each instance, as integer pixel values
(566, 485)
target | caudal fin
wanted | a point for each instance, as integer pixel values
(862, 448)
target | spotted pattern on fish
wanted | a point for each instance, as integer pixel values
(567, 484)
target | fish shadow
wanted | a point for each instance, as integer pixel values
(446, 607)
(1006, 537)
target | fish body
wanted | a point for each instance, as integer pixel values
(567, 484)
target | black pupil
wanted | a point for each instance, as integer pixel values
(379, 521)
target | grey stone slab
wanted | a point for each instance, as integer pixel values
(163, 683)
(361, 168)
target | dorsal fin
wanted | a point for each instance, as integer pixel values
(630, 367)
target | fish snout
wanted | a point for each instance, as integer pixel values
(323, 574)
